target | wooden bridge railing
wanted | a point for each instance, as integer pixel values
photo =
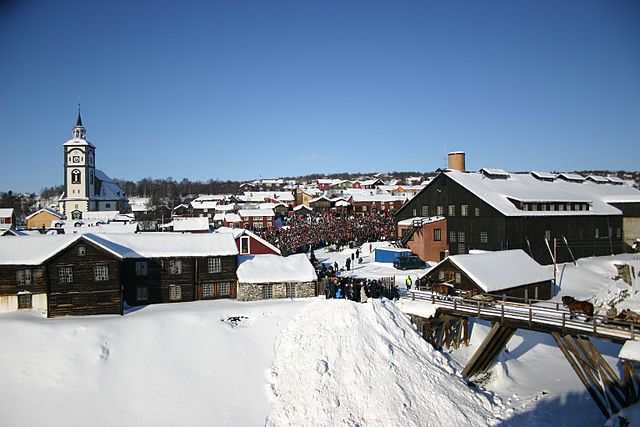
(547, 316)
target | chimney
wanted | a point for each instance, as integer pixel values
(456, 160)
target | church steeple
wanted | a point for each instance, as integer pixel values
(79, 131)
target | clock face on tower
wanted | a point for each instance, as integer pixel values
(76, 159)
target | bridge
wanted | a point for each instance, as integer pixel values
(449, 327)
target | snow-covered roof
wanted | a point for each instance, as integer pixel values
(191, 224)
(244, 213)
(232, 217)
(495, 271)
(526, 188)
(182, 205)
(48, 210)
(6, 212)
(270, 205)
(160, 245)
(204, 204)
(300, 207)
(424, 219)
(225, 208)
(342, 203)
(80, 142)
(275, 269)
(33, 250)
(139, 204)
(615, 180)
(317, 199)
(630, 351)
(211, 197)
(260, 196)
(112, 227)
(109, 190)
(218, 217)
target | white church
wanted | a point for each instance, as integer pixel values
(85, 187)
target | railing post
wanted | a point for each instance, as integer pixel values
(502, 313)
(413, 296)
(530, 315)
(632, 332)
(433, 298)
(563, 321)
(455, 304)
(478, 308)
(594, 324)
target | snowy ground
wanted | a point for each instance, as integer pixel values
(289, 362)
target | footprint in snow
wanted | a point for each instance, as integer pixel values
(104, 352)
(322, 367)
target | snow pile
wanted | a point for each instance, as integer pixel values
(342, 363)
(275, 269)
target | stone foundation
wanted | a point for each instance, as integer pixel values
(254, 292)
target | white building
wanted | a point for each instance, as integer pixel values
(86, 188)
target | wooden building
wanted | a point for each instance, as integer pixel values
(274, 277)
(169, 267)
(43, 218)
(7, 218)
(84, 279)
(428, 237)
(512, 273)
(494, 210)
(366, 203)
(320, 204)
(257, 219)
(249, 243)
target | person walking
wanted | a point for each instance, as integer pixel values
(348, 264)
(408, 282)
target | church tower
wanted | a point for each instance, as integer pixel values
(79, 173)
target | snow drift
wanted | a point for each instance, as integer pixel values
(342, 363)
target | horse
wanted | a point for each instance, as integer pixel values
(578, 307)
(441, 288)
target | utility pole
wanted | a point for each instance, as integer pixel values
(555, 266)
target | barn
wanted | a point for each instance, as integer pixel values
(43, 218)
(512, 273)
(272, 276)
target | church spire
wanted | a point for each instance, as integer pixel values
(79, 122)
(79, 131)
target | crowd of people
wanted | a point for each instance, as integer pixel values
(358, 290)
(309, 232)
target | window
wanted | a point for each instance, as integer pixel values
(290, 290)
(452, 210)
(141, 268)
(484, 237)
(453, 236)
(175, 293)
(175, 266)
(437, 234)
(477, 211)
(24, 277)
(142, 294)
(214, 265)
(82, 250)
(24, 302)
(597, 233)
(75, 177)
(108, 205)
(464, 210)
(425, 211)
(462, 248)
(458, 277)
(101, 272)
(258, 225)
(441, 275)
(65, 274)
(461, 237)
(415, 212)
(267, 291)
(439, 210)
(547, 235)
(224, 288)
(207, 289)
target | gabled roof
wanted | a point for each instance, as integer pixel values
(494, 173)
(239, 232)
(6, 212)
(191, 224)
(496, 271)
(574, 177)
(162, 245)
(109, 190)
(544, 175)
(255, 212)
(48, 210)
(300, 207)
(33, 250)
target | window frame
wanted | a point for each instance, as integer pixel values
(141, 269)
(24, 277)
(175, 267)
(101, 272)
(65, 274)
(464, 210)
(210, 291)
(224, 288)
(142, 293)
(267, 291)
(214, 265)
(437, 234)
(21, 298)
(175, 292)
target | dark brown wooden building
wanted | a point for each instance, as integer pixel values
(512, 273)
(84, 279)
(494, 210)
(167, 267)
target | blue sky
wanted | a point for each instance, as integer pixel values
(243, 89)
